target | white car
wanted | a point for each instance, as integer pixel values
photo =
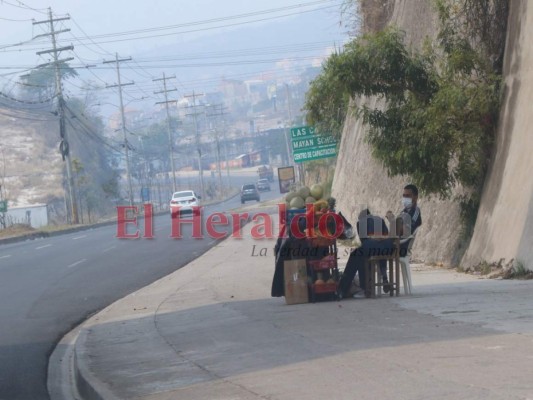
(183, 203)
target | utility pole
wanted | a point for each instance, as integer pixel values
(170, 139)
(219, 113)
(126, 145)
(3, 199)
(72, 216)
(217, 142)
(226, 154)
(198, 142)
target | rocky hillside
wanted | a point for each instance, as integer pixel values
(34, 170)
(33, 166)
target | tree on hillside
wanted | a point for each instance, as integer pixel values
(39, 84)
(438, 106)
(95, 160)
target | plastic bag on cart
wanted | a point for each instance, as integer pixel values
(348, 231)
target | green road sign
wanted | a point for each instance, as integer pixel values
(3, 206)
(312, 142)
(307, 146)
(317, 153)
(302, 132)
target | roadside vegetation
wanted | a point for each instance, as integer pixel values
(437, 108)
(514, 269)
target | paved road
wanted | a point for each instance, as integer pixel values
(50, 285)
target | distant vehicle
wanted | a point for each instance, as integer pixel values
(183, 203)
(249, 192)
(263, 185)
(266, 172)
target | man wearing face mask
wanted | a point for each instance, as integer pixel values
(403, 226)
(410, 218)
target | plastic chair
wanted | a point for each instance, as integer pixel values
(405, 265)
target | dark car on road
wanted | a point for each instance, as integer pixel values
(249, 192)
(263, 185)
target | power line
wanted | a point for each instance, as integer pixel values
(24, 6)
(147, 75)
(105, 52)
(192, 65)
(15, 20)
(213, 20)
(27, 101)
(28, 118)
(89, 131)
(90, 69)
(287, 48)
(210, 28)
(195, 23)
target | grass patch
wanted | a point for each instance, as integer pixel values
(519, 271)
(16, 230)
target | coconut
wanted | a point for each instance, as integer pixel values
(290, 196)
(304, 192)
(317, 191)
(297, 202)
(319, 282)
(310, 200)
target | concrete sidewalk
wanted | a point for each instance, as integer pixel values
(212, 331)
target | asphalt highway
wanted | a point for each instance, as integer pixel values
(48, 286)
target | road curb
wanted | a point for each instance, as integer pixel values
(87, 385)
(84, 383)
(69, 375)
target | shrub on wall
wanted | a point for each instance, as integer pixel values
(439, 106)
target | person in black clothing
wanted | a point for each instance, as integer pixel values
(404, 225)
(369, 225)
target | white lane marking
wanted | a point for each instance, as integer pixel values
(9, 255)
(77, 263)
(42, 247)
(79, 237)
(108, 249)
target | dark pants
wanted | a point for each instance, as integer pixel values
(357, 260)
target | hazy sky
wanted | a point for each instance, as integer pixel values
(111, 16)
(97, 17)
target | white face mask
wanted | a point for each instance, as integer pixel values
(407, 202)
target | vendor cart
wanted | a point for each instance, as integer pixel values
(322, 266)
(322, 269)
